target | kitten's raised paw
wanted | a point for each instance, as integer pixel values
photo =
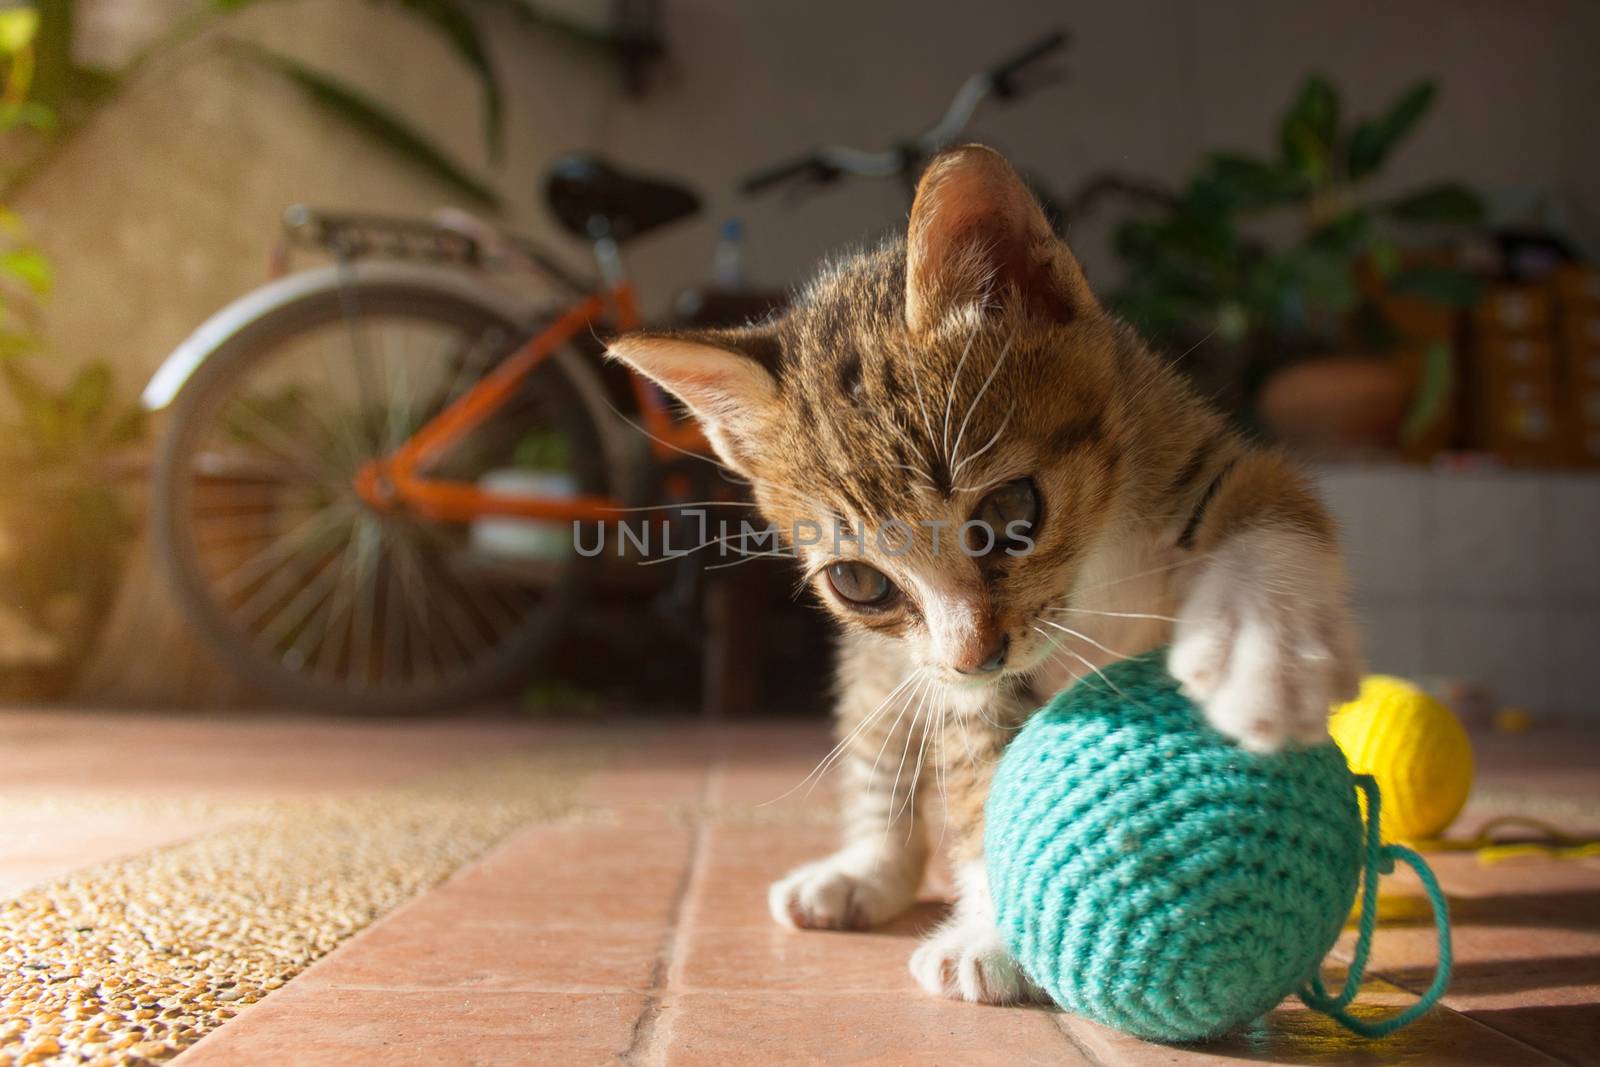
(850, 890)
(1265, 644)
(966, 960)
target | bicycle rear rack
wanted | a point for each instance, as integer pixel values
(351, 236)
(348, 236)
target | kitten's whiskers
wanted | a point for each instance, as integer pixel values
(834, 754)
(1086, 639)
(905, 752)
(1005, 350)
(916, 382)
(894, 728)
(992, 442)
(955, 384)
(725, 540)
(1185, 562)
(910, 807)
(687, 504)
(1117, 614)
(1062, 647)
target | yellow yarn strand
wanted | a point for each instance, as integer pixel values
(1492, 848)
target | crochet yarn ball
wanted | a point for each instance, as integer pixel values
(1417, 750)
(1153, 876)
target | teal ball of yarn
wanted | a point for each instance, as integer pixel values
(1151, 875)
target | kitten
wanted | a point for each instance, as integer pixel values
(968, 376)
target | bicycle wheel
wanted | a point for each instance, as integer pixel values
(304, 589)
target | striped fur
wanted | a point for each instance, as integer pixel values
(905, 384)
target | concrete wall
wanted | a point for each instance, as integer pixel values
(167, 206)
(1486, 577)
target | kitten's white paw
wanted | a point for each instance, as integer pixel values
(1264, 642)
(852, 889)
(966, 960)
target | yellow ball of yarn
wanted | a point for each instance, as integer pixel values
(1416, 749)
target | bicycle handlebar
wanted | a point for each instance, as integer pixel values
(807, 166)
(1001, 73)
(829, 162)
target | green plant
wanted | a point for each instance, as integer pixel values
(63, 524)
(24, 271)
(545, 449)
(64, 521)
(1206, 269)
(75, 91)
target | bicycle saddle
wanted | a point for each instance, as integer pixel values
(582, 188)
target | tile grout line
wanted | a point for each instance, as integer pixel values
(646, 1042)
(1063, 1023)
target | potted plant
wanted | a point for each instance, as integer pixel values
(1284, 275)
(64, 522)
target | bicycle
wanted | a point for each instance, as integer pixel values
(356, 518)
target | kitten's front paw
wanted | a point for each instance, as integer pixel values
(966, 960)
(1264, 642)
(852, 889)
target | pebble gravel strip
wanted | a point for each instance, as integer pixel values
(131, 962)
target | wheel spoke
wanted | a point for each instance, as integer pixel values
(305, 602)
(294, 577)
(284, 446)
(360, 365)
(366, 599)
(326, 664)
(297, 575)
(281, 550)
(414, 588)
(469, 636)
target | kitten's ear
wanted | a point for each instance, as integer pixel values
(724, 376)
(978, 237)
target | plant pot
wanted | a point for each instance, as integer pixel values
(61, 552)
(1334, 406)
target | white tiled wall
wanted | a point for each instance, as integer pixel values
(1492, 577)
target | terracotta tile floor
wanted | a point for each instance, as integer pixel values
(636, 928)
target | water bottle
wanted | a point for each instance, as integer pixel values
(728, 263)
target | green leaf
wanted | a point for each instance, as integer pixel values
(27, 113)
(1385, 256)
(1253, 184)
(1307, 132)
(1372, 141)
(18, 25)
(543, 449)
(1445, 203)
(1434, 390)
(377, 124)
(451, 21)
(1342, 236)
(28, 266)
(38, 408)
(16, 344)
(89, 394)
(1438, 284)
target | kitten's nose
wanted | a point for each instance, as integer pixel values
(986, 661)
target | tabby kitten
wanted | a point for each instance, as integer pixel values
(968, 376)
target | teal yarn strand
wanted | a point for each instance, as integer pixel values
(1381, 860)
(1151, 875)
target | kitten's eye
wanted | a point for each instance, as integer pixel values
(860, 584)
(1011, 509)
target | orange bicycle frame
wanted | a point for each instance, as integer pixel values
(396, 480)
